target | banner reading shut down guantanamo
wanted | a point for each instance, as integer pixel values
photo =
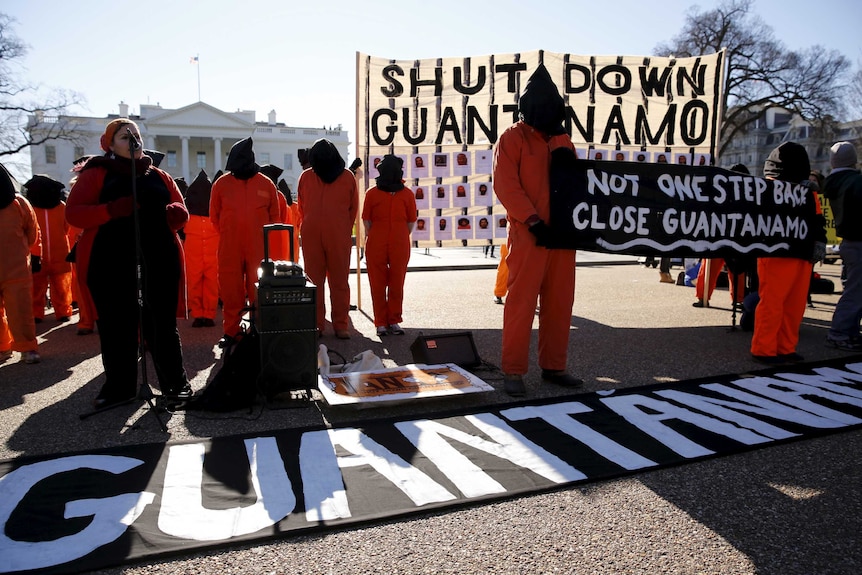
(443, 116)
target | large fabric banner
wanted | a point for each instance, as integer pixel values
(444, 115)
(632, 208)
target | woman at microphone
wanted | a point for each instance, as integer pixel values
(101, 203)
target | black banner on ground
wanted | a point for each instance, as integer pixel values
(79, 512)
(653, 209)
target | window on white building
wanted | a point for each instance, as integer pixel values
(79, 152)
(50, 154)
(288, 162)
(171, 158)
(202, 160)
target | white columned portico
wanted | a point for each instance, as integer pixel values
(151, 142)
(185, 158)
(217, 154)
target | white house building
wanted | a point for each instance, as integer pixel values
(195, 137)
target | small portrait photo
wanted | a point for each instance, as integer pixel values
(483, 162)
(464, 229)
(683, 159)
(373, 173)
(464, 223)
(482, 228)
(440, 196)
(460, 197)
(483, 195)
(462, 165)
(422, 200)
(702, 160)
(442, 228)
(599, 154)
(501, 226)
(440, 168)
(661, 157)
(422, 230)
(641, 156)
(621, 156)
(418, 166)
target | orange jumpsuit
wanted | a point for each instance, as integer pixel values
(387, 250)
(201, 247)
(19, 235)
(56, 271)
(86, 313)
(522, 159)
(737, 289)
(502, 272)
(239, 209)
(328, 213)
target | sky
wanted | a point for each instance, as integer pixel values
(300, 60)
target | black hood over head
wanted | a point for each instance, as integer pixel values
(285, 189)
(182, 185)
(44, 192)
(198, 195)
(541, 105)
(391, 170)
(156, 155)
(8, 187)
(240, 160)
(325, 160)
(272, 172)
(788, 162)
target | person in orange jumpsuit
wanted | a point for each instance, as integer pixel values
(328, 199)
(521, 166)
(201, 245)
(110, 254)
(784, 282)
(46, 196)
(243, 200)
(278, 241)
(19, 235)
(86, 311)
(388, 214)
(502, 278)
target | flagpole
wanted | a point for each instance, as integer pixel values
(198, 60)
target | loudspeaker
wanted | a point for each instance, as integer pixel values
(458, 348)
(287, 320)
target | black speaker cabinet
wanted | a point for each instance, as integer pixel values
(458, 348)
(287, 323)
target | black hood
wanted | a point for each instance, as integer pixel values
(788, 162)
(44, 192)
(272, 172)
(240, 160)
(325, 160)
(156, 156)
(198, 196)
(541, 105)
(391, 170)
(285, 189)
(8, 187)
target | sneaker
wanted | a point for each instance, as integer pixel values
(498, 300)
(30, 357)
(513, 385)
(226, 341)
(64, 319)
(561, 378)
(395, 329)
(184, 392)
(382, 331)
(698, 303)
(844, 344)
(5, 355)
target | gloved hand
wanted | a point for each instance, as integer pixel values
(543, 233)
(35, 264)
(177, 215)
(121, 207)
(819, 252)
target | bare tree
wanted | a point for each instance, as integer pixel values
(760, 71)
(20, 101)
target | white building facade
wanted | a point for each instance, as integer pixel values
(195, 137)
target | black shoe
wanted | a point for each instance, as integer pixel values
(768, 359)
(182, 393)
(226, 341)
(84, 331)
(198, 322)
(64, 319)
(498, 300)
(106, 401)
(37, 319)
(513, 385)
(208, 322)
(698, 303)
(561, 378)
(791, 357)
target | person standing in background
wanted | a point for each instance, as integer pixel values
(328, 199)
(388, 214)
(201, 245)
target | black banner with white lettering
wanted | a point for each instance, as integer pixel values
(86, 511)
(650, 209)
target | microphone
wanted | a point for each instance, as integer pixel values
(134, 142)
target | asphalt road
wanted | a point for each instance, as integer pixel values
(783, 510)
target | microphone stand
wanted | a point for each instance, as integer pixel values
(144, 391)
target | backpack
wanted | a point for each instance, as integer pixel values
(235, 385)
